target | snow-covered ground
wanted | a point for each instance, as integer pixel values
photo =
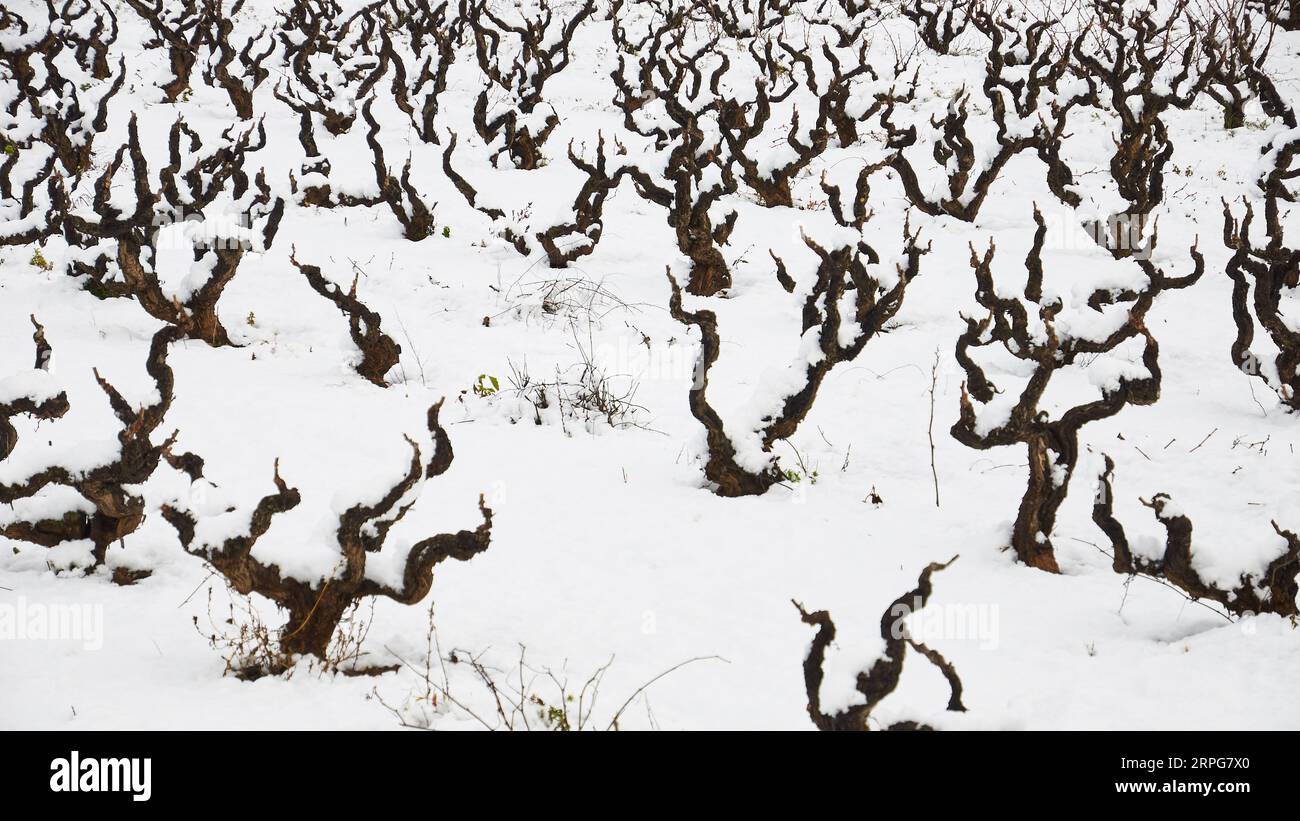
(606, 544)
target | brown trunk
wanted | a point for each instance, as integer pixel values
(1031, 536)
(378, 359)
(209, 329)
(709, 274)
(105, 530)
(772, 193)
(524, 151)
(734, 481)
(182, 61)
(313, 618)
(240, 97)
(1234, 114)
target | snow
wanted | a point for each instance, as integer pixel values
(37, 385)
(605, 540)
